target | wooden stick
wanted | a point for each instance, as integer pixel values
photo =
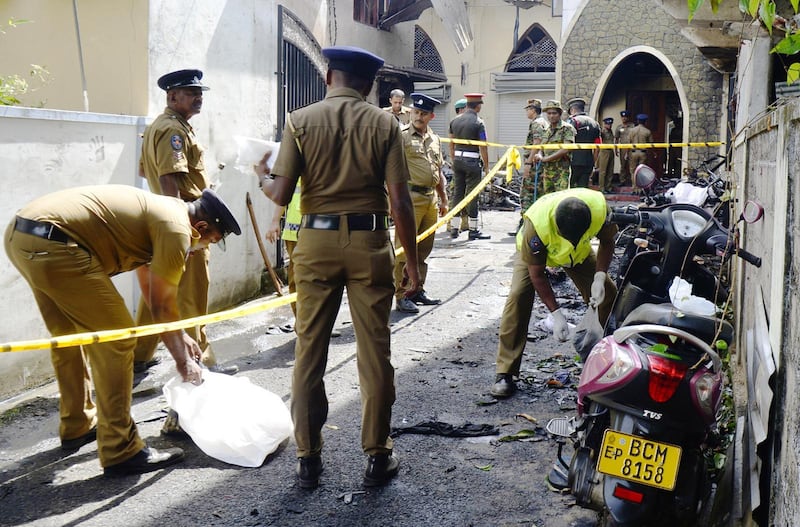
(275, 280)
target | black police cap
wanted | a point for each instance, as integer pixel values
(182, 79)
(420, 101)
(351, 59)
(219, 213)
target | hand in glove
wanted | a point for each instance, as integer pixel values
(598, 289)
(560, 326)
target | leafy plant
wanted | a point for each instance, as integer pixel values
(14, 85)
(766, 12)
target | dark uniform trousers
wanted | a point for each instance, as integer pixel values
(466, 176)
(74, 294)
(425, 215)
(290, 245)
(326, 262)
(192, 302)
(519, 306)
(636, 158)
(605, 164)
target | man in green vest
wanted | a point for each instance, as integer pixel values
(556, 232)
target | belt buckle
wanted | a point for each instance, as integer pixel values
(374, 222)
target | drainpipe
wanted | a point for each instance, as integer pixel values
(80, 56)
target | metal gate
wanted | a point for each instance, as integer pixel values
(300, 67)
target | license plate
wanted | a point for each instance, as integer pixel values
(640, 460)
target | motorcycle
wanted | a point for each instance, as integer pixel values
(650, 390)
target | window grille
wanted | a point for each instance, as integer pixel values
(535, 51)
(426, 56)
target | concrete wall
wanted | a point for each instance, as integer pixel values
(114, 40)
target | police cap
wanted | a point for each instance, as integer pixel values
(624, 113)
(608, 120)
(219, 213)
(461, 103)
(420, 101)
(182, 79)
(351, 59)
(642, 117)
(474, 97)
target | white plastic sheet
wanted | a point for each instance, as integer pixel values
(229, 418)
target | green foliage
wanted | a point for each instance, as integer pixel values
(14, 85)
(793, 73)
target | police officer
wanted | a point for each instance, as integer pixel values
(554, 164)
(605, 157)
(587, 131)
(349, 154)
(67, 245)
(622, 137)
(557, 232)
(172, 163)
(460, 105)
(424, 155)
(469, 162)
(396, 108)
(638, 135)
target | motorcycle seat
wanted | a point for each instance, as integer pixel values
(707, 328)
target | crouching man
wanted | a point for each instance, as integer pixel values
(67, 245)
(556, 232)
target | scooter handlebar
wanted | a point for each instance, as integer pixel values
(621, 216)
(748, 257)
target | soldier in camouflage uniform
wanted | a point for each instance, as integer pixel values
(554, 164)
(529, 189)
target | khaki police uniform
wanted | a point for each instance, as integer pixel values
(404, 117)
(605, 161)
(424, 157)
(639, 156)
(519, 304)
(170, 146)
(67, 245)
(622, 137)
(343, 243)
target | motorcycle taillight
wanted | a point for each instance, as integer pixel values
(665, 376)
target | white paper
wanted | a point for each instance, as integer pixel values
(250, 150)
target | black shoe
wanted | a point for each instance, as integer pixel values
(380, 469)
(504, 386)
(77, 442)
(405, 305)
(227, 370)
(141, 366)
(454, 233)
(478, 235)
(146, 460)
(424, 300)
(308, 471)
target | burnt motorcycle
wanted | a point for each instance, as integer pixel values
(650, 390)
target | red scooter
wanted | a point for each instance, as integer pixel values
(650, 390)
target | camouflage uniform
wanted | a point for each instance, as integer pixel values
(555, 174)
(531, 186)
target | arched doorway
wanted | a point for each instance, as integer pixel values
(641, 81)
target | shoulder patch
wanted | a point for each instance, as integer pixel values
(536, 245)
(177, 142)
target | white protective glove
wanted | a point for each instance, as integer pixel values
(598, 290)
(560, 326)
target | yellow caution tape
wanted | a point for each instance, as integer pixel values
(511, 158)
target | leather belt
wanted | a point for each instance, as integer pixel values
(42, 229)
(638, 150)
(355, 222)
(421, 190)
(464, 153)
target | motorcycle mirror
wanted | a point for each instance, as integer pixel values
(752, 212)
(644, 176)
